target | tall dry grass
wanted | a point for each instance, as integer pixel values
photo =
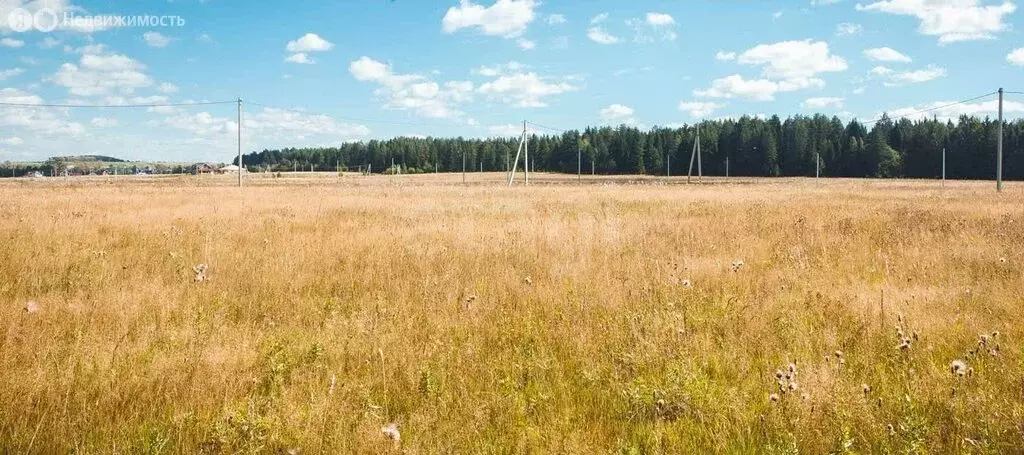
(483, 319)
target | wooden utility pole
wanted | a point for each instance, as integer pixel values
(999, 146)
(239, 142)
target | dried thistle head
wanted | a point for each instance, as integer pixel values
(687, 284)
(774, 398)
(32, 307)
(958, 368)
(200, 272)
(865, 388)
(391, 432)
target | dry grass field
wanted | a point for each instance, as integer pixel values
(736, 316)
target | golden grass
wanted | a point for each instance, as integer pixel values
(484, 319)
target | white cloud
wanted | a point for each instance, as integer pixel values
(556, 19)
(155, 39)
(824, 2)
(524, 89)
(167, 87)
(656, 26)
(498, 70)
(101, 75)
(950, 20)
(301, 58)
(598, 35)
(895, 78)
(14, 140)
(617, 114)
(777, 15)
(823, 102)
(699, 109)
(886, 54)
(846, 29)
(525, 44)
(1016, 57)
(660, 19)
(413, 91)
(736, 86)
(38, 122)
(284, 125)
(793, 59)
(49, 42)
(599, 18)
(507, 130)
(505, 18)
(950, 110)
(9, 73)
(103, 122)
(725, 56)
(11, 42)
(310, 42)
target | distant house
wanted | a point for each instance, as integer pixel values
(229, 169)
(204, 168)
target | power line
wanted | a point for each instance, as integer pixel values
(935, 108)
(352, 119)
(101, 106)
(557, 130)
(1015, 93)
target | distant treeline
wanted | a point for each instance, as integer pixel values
(754, 146)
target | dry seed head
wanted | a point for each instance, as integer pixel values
(200, 271)
(774, 398)
(958, 368)
(983, 340)
(792, 369)
(31, 307)
(528, 280)
(686, 283)
(391, 432)
(866, 388)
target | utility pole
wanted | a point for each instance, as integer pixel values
(999, 146)
(463, 166)
(943, 167)
(579, 159)
(526, 153)
(668, 165)
(727, 165)
(239, 142)
(817, 165)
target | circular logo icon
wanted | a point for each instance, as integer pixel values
(45, 20)
(20, 20)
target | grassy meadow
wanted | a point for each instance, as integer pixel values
(413, 314)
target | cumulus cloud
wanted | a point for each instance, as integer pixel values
(894, 78)
(847, 29)
(524, 89)
(413, 91)
(617, 114)
(302, 47)
(699, 109)
(505, 18)
(600, 36)
(156, 39)
(786, 66)
(950, 20)
(951, 110)
(1016, 57)
(886, 54)
(735, 86)
(101, 75)
(310, 42)
(823, 102)
(11, 42)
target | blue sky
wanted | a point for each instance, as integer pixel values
(327, 72)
